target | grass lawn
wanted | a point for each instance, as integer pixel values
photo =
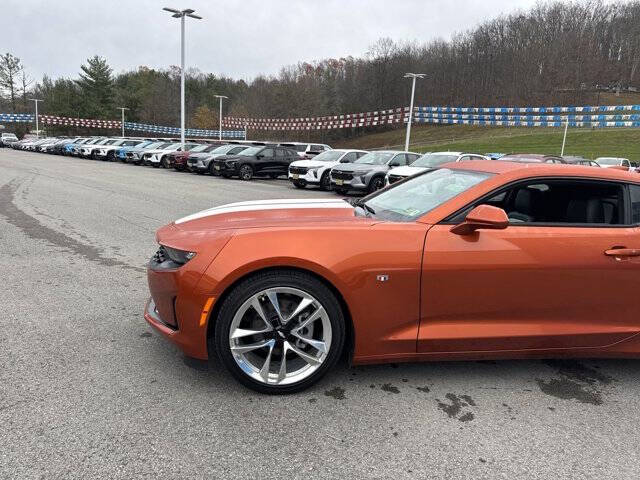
(619, 142)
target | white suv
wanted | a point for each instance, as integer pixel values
(429, 161)
(154, 157)
(306, 150)
(608, 162)
(317, 170)
(7, 139)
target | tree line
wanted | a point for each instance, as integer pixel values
(554, 53)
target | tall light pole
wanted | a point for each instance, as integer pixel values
(220, 97)
(413, 92)
(36, 100)
(123, 109)
(181, 14)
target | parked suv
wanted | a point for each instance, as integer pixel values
(306, 150)
(203, 162)
(367, 173)
(317, 171)
(269, 160)
(178, 160)
(608, 162)
(429, 161)
(7, 139)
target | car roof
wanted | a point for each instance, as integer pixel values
(446, 153)
(519, 169)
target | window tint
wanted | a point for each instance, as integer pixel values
(317, 148)
(398, 160)
(635, 204)
(281, 153)
(559, 202)
(359, 154)
(349, 157)
(267, 152)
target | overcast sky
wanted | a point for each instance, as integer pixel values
(237, 38)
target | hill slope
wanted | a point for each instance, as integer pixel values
(619, 142)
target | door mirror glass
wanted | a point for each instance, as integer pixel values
(483, 217)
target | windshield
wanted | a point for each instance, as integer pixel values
(251, 151)
(375, 158)
(329, 156)
(199, 148)
(608, 161)
(421, 194)
(224, 148)
(433, 160)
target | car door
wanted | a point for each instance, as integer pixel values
(557, 283)
(265, 161)
(282, 160)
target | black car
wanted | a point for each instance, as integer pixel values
(262, 160)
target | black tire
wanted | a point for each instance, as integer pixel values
(376, 184)
(212, 169)
(298, 184)
(325, 181)
(278, 278)
(245, 172)
(111, 156)
(164, 163)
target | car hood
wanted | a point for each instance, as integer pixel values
(190, 231)
(406, 171)
(352, 167)
(314, 164)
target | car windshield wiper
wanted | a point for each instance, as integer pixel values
(363, 205)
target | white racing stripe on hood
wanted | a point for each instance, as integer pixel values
(266, 205)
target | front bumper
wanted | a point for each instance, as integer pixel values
(176, 313)
(354, 183)
(197, 166)
(224, 169)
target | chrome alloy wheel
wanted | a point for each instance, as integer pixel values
(280, 336)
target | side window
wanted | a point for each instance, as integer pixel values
(398, 161)
(267, 153)
(360, 154)
(411, 157)
(281, 153)
(349, 157)
(635, 204)
(625, 163)
(559, 202)
(235, 150)
(317, 148)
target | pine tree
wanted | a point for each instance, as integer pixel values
(10, 68)
(97, 86)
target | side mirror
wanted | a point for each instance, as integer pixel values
(483, 217)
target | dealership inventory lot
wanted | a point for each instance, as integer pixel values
(87, 389)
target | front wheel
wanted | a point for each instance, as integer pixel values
(325, 182)
(246, 172)
(164, 163)
(376, 184)
(280, 331)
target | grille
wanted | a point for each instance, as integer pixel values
(395, 178)
(298, 170)
(341, 175)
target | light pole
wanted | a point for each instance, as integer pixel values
(220, 97)
(564, 138)
(188, 12)
(123, 109)
(413, 92)
(36, 100)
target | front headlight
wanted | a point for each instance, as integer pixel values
(167, 257)
(359, 173)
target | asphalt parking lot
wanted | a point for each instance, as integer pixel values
(88, 390)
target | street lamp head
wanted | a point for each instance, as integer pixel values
(415, 75)
(187, 12)
(221, 96)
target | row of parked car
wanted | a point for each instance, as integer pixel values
(304, 164)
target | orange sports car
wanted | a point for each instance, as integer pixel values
(473, 260)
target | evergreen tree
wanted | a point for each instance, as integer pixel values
(97, 87)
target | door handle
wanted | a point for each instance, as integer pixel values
(623, 252)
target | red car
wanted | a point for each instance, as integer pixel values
(473, 260)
